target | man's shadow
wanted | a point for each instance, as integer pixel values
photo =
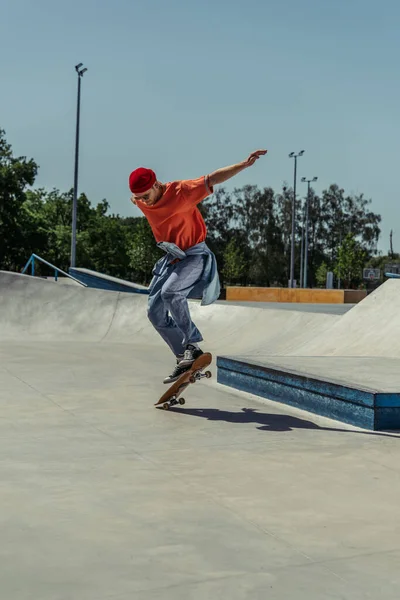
(266, 421)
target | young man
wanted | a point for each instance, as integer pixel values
(189, 269)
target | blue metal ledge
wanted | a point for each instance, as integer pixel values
(370, 409)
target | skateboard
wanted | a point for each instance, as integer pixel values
(195, 373)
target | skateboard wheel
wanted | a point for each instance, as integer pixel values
(182, 401)
(208, 374)
(192, 379)
(166, 406)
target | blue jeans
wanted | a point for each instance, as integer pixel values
(168, 308)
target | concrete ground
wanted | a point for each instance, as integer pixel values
(104, 497)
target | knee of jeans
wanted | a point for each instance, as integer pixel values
(153, 316)
(167, 295)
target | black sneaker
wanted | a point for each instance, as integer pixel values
(191, 353)
(178, 371)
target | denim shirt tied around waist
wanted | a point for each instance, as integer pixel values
(207, 287)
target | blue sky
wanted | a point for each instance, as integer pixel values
(186, 87)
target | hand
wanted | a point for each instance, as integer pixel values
(133, 199)
(254, 156)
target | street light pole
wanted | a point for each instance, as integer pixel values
(303, 219)
(295, 156)
(308, 181)
(80, 73)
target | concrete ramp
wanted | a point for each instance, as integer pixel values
(345, 367)
(36, 309)
(371, 328)
(32, 308)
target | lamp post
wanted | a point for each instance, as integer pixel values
(303, 220)
(308, 181)
(295, 156)
(80, 72)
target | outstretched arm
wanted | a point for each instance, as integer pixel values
(226, 173)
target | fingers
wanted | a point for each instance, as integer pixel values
(259, 153)
(255, 156)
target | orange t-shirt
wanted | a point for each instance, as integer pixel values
(175, 217)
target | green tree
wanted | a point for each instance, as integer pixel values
(218, 212)
(143, 252)
(50, 216)
(16, 173)
(102, 240)
(350, 262)
(320, 275)
(105, 243)
(235, 264)
(331, 217)
(251, 217)
(316, 241)
(342, 215)
(257, 219)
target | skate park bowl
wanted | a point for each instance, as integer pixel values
(235, 495)
(340, 366)
(37, 309)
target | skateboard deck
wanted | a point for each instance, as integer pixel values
(172, 396)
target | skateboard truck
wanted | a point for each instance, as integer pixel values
(173, 401)
(198, 376)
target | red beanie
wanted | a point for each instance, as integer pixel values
(141, 180)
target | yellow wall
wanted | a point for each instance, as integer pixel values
(309, 296)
